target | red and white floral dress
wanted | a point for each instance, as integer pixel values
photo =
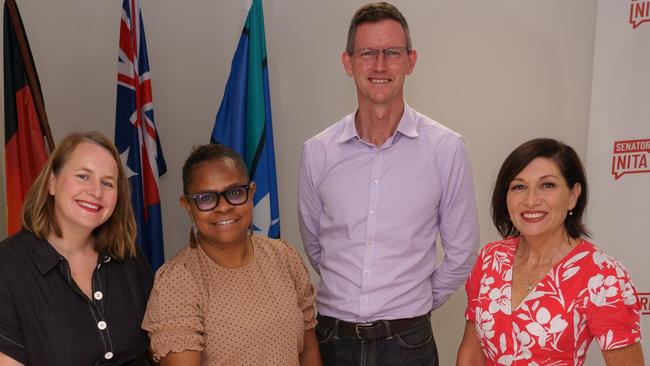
(587, 295)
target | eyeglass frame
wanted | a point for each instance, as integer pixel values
(194, 196)
(375, 53)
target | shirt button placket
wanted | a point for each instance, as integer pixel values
(98, 309)
(371, 229)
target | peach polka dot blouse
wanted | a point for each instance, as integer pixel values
(253, 315)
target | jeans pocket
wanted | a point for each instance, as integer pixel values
(416, 337)
(323, 334)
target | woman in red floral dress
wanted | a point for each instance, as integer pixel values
(543, 293)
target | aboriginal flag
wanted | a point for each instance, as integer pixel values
(26, 128)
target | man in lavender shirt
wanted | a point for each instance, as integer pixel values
(375, 191)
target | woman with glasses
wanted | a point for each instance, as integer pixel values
(230, 297)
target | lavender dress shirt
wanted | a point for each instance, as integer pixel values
(370, 216)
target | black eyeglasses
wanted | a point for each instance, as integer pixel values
(207, 201)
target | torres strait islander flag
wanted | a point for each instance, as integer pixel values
(27, 134)
(244, 119)
(136, 137)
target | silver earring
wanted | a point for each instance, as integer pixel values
(570, 213)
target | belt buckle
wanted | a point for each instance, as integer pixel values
(359, 325)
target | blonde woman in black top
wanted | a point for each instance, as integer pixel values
(73, 286)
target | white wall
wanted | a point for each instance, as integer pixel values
(498, 72)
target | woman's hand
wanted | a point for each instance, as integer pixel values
(8, 361)
(627, 356)
(310, 355)
(185, 358)
(469, 352)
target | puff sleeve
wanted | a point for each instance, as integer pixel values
(304, 289)
(174, 318)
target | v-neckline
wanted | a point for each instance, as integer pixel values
(533, 290)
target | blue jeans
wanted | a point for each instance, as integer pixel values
(413, 347)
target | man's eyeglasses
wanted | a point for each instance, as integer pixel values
(393, 54)
(207, 201)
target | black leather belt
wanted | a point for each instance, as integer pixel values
(375, 330)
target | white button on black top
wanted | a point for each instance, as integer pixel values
(98, 295)
(108, 355)
(101, 325)
(132, 274)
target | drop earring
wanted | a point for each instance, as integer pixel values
(194, 240)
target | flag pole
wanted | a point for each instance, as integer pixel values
(30, 70)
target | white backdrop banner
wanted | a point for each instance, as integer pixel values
(618, 154)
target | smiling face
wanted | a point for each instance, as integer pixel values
(85, 189)
(539, 199)
(226, 224)
(379, 82)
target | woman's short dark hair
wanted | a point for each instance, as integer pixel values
(210, 152)
(373, 13)
(571, 168)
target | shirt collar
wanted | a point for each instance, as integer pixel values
(349, 129)
(46, 257)
(406, 125)
(42, 252)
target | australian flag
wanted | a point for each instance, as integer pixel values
(244, 119)
(136, 137)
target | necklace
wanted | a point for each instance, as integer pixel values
(529, 287)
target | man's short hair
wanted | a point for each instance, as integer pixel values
(373, 13)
